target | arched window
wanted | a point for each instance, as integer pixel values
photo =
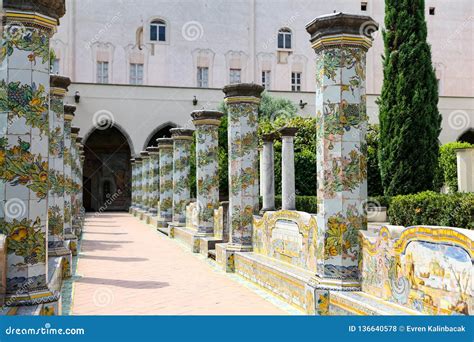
(284, 38)
(158, 31)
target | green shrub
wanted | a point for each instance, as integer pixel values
(303, 203)
(382, 201)
(448, 164)
(431, 208)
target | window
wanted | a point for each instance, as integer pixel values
(266, 79)
(284, 38)
(432, 10)
(363, 6)
(202, 77)
(136, 73)
(102, 72)
(158, 31)
(55, 66)
(296, 81)
(234, 76)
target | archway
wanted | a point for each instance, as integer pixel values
(107, 173)
(162, 131)
(467, 136)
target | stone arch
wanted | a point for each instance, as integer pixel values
(159, 132)
(467, 136)
(117, 126)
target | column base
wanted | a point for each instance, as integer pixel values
(66, 254)
(225, 255)
(208, 243)
(71, 242)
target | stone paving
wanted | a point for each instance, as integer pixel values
(128, 268)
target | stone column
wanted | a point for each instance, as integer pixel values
(82, 211)
(138, 183)
(267, 172)
(242, 101)
(207, 177)
(182, 141)
(77, 188)
(288, 194)
(56, 243)
(154, 178)
(465, 169)
(134, 194)
(145, 156)
(165, 148)
(24, 130)
(340, 42)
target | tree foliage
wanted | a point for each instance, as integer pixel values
(410, 122)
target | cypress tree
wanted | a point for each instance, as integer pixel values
(410, 122)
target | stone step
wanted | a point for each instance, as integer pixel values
(212, 254)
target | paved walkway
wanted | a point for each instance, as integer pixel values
(127, 268)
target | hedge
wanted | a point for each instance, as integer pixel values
(433, 209)
(448, 163)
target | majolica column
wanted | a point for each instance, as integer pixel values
(154, 178)
(182, 141)
(68, 232)
(77, 188)
(145, 164)
(82, 210)
(267, 172)
(134, 179)
(56, 244)
(288, 194)
(138, 182)
(71, 178)
(340, 42)
(165, 148)
(242, 102)
(207, 177)
(24, 169)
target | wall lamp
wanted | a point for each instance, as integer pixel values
(77, 96)
(195, 101)
(303, 104)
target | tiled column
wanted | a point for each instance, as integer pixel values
(165, 148)
(138, 182)
(134, 180)
(154, 179)
(267, 171)
(71, 183)
(144, 183)
(68, 232)
(182, 141)
(56, 243)
(288, 194)
(82, 211)
(24, 169)
(77, 188)
(207, 177)
(242, 101)
(340, 43)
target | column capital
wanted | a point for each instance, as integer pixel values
(74, 132)
(337, 29)
(51, 8)
(243, 90)
(144, 154)
(181, 133)
(288, 131)
(59, 84)
(69, 111)
(206, 117)
(152, 150)
(164, 143)
(132, 160)
(269, 137)
(138, 159)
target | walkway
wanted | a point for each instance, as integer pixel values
(127, 268)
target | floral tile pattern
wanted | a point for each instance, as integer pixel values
(181, 174)
(341, 159)
(166, 180)
(207, 176)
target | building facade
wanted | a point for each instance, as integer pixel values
(142, 66)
